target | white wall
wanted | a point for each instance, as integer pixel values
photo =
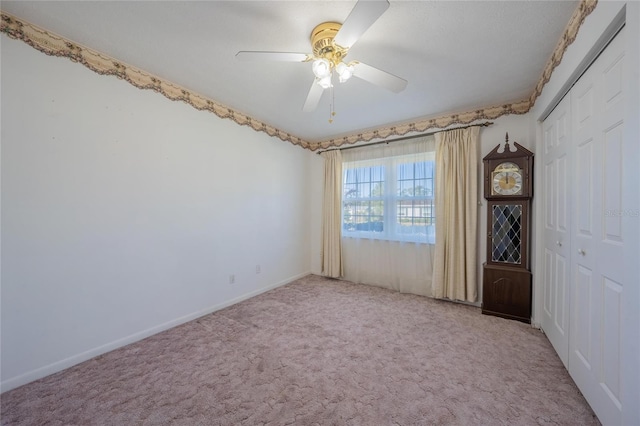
(124, 213)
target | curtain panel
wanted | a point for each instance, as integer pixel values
(455, 262)
(401, 264)
(331, 251)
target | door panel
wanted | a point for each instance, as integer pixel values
(613, 184)
(584, 230)
(562, 195)
(597, 235)
(611, 292)
(584, 175)
(557, 200)
(582, 314)
(549, 277)
(561, 273)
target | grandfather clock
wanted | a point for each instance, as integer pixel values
(508, 188)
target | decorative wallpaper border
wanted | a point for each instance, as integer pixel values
(421, 126)
(54, 45)
(522, 107)
(583, 10)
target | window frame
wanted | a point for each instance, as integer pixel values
(391, 198)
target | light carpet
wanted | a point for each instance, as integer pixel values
(317, 352)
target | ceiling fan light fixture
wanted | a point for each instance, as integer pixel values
(345, 72)
(321, 68)
(330, 42)
(324, 82)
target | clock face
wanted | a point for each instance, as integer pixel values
(506, 179)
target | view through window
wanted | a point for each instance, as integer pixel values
(390, 198)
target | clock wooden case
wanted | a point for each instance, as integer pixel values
(508, 188)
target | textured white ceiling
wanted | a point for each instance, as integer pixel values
(457, 55)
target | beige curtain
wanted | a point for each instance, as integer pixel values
(401, 265)
(332, 215)
(456, 199)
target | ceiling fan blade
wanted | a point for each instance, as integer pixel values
(313, 98)
(273, 56)
(379, 77)
(363, 15)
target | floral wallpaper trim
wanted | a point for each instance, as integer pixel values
(570, 33)
(54, 45)
(421, 126)
(583, 10)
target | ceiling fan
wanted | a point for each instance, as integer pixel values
(331, 42)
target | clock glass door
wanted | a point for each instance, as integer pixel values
(506, 235)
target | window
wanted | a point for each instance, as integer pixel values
(390, 198)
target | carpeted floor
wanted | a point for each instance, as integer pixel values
(317, 352)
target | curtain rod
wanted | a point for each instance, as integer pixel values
(485, 124)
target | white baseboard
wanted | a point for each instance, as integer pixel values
(14, 382)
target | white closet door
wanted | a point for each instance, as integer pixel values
(557, 249)
(598, 241)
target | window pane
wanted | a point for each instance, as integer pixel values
(349, 176)
(348, 216)
(377, 189)
(421, 188)
(408, 195)
(363, 182)
(415, 179)
(405, 171)
(364, 190)
(405, 188)
(350, 190)
(414, 206)
(429, 187)
(362, 174)
(363, 216)
(377, 174)
(377, 208)
(414, 217)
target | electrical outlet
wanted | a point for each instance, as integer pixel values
(232, 279)
(257, 269)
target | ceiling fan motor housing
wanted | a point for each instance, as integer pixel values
(327, 59)
(323, 46)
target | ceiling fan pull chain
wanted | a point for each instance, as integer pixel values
(332, 111)
(330, 42)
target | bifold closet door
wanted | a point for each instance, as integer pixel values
(598, 240)
(584, 240)
(557, 247)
